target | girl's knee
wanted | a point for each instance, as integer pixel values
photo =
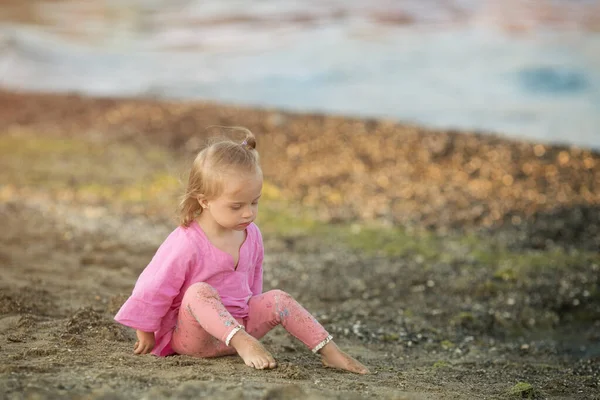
(280, 295)
(202, 289)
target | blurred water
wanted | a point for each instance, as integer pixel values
(522, 68)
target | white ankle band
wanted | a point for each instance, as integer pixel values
(233, 332)
(322, 344)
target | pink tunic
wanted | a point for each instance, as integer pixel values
(184, 258)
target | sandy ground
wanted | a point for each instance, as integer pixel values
(499, 302)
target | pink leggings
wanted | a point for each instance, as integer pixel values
(204, 326)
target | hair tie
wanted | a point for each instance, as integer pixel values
(244, 143)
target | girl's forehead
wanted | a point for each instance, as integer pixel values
(243, 186)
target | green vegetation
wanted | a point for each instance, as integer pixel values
(523, 390)
(390, 337)
(447, 345)
(84, 167)
(440, 365)
(149, 176)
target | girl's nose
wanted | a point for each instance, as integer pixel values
(247, 212)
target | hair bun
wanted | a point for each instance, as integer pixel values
(250, 142)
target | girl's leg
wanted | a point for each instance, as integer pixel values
(277, 307)
(203, 324)
(206, 329)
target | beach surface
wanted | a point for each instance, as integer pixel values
(454, 265)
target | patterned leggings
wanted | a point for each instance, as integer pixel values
(204, 326)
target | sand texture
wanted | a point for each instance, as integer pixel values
(454, 265)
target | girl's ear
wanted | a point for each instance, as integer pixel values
(202, 201)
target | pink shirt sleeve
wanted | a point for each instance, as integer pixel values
(257, 282)
(158, 284)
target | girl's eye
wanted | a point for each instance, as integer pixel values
(236, 207)
(255, 203)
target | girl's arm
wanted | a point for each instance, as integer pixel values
(158, 284)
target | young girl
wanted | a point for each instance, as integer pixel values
(201, 295)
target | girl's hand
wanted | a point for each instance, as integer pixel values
(145, 342)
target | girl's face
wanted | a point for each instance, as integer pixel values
(237, 206)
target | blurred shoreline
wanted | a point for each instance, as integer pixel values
(526, 70)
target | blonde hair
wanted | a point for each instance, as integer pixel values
(211, 166)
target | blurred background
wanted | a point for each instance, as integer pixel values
(456, 265)
(525, 69)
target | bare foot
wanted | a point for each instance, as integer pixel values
(333, 357)
(252, 352)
